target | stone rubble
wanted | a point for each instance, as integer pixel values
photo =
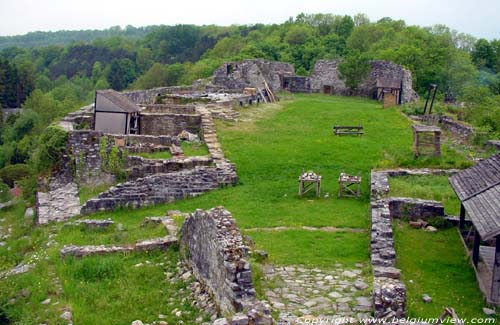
(214, 249)
(91, 224)
(59, 203)
(144, 245)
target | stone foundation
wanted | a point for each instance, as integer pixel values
(169, 124)
(91, 250)
(389, 292)
(138, 167)
(214, 249)
(414, 209)
(457, 128)
(162, 188)
(57, 198)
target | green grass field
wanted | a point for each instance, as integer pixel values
(426, 187)
(270, 146)
(436, 264)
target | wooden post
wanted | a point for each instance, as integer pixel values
(495, 279)
(475, 249)
(461, 223)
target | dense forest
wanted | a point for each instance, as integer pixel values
(51, 74)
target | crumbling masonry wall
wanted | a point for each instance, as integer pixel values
(252, 73)
(162, 188)
(389, 292)
(169, 124)
(214, 249)
(326, 73)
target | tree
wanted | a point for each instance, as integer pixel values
(156, 76)
(122, 73)
(297, 35)
(354, 69)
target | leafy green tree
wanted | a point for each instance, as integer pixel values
(354, 69)
(122, 73)
(156, 76)
(297, 35)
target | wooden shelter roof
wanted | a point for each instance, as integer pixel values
(388, 83)
(120, 101)
(478, 188)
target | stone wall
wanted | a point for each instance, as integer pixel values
(389, 292)
(168, 108)
(252, 73)
(214, 249)
(83, 147)
(414, 209)
(457, 128)
(161, 188)
(326, 73)
(297, 84)
(144, 143)
(169, 124)
(149, 96)
(57, 199)
(138, 167)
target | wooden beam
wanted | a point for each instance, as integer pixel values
(475, 249)
(461, 223)
(495, 279)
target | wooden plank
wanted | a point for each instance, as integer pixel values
(495, 281)
(461, 223)
(475, 249)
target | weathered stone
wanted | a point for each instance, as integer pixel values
(239, 319)
(386, 272)
(426, 298)
(489, 311)
(326, 78)
(163, 188)
(215, 251)
(137, 322)
(431, 229)
(29, 213)
(221, 321)
(92, 224)
(360, 285)
(66, 316)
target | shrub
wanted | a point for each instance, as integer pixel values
(439, 222)
(4, 192)
(13, 173)
(51, 148)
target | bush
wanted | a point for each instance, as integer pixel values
(51, 148)
(13, 173)
(4, 192)
(439, 222)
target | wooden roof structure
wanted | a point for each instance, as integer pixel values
(478, 188)
(388, 83)
(120, 102)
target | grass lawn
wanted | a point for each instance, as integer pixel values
(153, 155)
(88, 192)
(192, 149)
(436, 264)
(426, 187)
(313, 248)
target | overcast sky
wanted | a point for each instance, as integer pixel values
(480, 18)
